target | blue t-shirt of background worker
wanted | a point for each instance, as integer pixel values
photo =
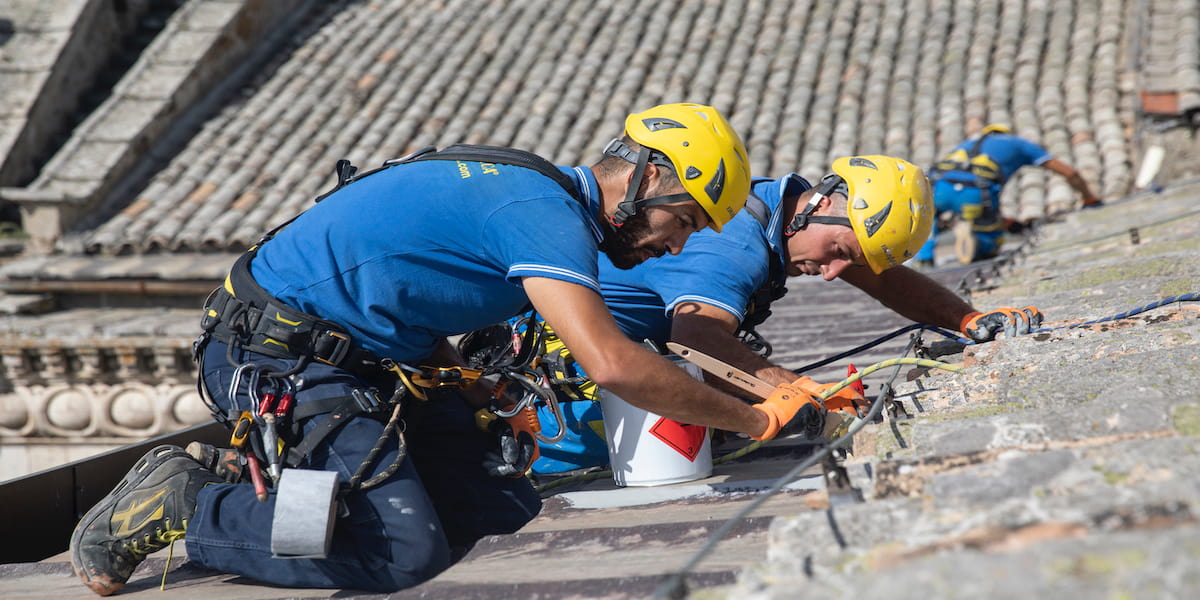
(418, 251)
(723, 270)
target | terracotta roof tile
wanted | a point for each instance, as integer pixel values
(803, 82)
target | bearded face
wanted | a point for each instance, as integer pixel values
(621, 243)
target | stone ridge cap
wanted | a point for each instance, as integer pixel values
(14, 341)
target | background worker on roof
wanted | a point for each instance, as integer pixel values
(968, 182)
(395, 261)
(859, 224)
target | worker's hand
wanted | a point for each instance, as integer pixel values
(846, 400)
(785, 408)
(514, 452)
(984, 327)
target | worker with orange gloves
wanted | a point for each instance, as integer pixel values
(859, 224)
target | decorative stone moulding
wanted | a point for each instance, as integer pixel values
(118, 389)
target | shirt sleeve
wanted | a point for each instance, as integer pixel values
(543, 237)
(715, 269)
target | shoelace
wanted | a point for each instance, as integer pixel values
(174, 535)
(154, 543)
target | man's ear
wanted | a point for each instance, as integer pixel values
(823, 205)
(653, 179)
(648, 175)
(833, 205)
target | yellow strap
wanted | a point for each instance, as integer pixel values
(395, 368)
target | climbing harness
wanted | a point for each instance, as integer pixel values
(983, 170)
(514, 352)
(758, 309)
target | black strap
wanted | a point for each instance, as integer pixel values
(503, 156)
(252, 319)
(347, 173)
(758, 209)
(828, 185)
(344, 409)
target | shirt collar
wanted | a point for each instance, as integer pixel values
(589, 190)
(773, 192)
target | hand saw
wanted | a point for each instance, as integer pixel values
(836, 423)
(723, 370)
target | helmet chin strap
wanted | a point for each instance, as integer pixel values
(829, 184)
(632, 204)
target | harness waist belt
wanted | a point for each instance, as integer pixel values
(241, 313)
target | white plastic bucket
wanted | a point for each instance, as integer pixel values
(646, 449)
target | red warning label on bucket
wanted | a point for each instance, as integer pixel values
(683, 438)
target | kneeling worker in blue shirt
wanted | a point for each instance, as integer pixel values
(377, 275)
(862, 221)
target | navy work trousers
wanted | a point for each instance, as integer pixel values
(397, 534)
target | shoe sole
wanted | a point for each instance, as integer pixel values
(965, 243)
(141, 469)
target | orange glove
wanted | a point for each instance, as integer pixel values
(846, 400)
(785, 403)
(984, 327)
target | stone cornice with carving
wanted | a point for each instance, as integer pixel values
(114, 388)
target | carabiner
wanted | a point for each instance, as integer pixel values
(235, 384)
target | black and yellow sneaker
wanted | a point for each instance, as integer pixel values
(148, 510)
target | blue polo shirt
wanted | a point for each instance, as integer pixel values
(720, 269)
(413, 253)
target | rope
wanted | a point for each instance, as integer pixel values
(876, 342)
(955, 337)
(1128, 313)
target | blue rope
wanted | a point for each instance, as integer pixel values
(1128, 313)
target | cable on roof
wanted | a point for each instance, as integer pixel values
(955, 337)
(876, 342)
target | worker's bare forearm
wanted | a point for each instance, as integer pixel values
(912, 295)
(712, 331)
(662, 388)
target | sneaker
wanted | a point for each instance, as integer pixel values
(147, 510)
(965, 243)
(1092, 204)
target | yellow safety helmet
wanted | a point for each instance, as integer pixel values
(996, 128)
(888, 205)
(703, 149)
